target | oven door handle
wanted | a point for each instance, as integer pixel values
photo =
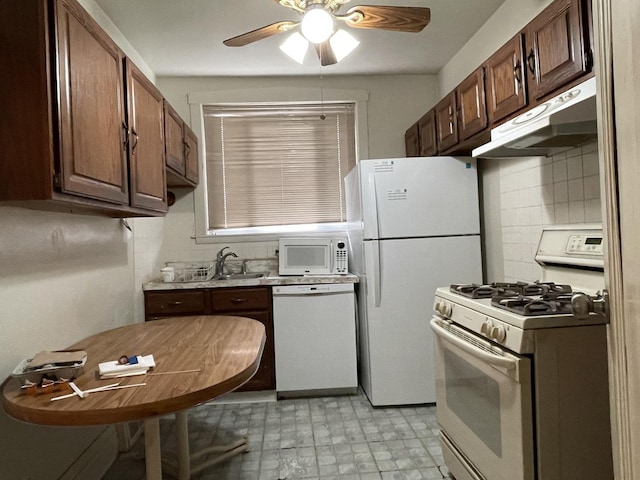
(485, 356)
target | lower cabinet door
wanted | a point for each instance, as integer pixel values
(265, 378)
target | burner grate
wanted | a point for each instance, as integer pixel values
(547, 304)
(473, 290)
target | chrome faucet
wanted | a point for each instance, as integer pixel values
(221, 258)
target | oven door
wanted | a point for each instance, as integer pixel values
(484, 404)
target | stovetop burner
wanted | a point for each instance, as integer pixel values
(552, 303)
(504, 290)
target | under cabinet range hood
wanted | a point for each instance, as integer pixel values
(565, 121)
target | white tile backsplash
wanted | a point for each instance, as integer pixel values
(540, 191)
(576, 189)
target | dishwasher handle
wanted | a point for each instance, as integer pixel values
(317, 289)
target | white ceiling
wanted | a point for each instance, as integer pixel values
(184, 37)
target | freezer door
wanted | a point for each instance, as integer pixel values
(396, 340)
(419, 197)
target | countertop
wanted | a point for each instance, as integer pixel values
(251, 282)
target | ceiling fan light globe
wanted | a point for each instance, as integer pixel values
(317, 25)
(342, 44)
(295, 46)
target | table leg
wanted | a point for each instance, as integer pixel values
(182, 464)
(182, 434)
(152, 453)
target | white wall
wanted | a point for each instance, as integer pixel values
(63, 277)
(395, 103)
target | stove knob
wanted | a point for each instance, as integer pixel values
(446, 310)
(437, 307)
(581, 306)
(486, 327)
(498, 333)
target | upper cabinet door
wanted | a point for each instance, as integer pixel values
(92, 108)
(191, 155)
(412, 141)
(427, 133)
(446, 124)
(505, 80)
(146, 141)
(555, 47)
(472, 107)
(173, 135)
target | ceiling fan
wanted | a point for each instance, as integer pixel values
(319, 26)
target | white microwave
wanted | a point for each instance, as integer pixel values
(313, 256)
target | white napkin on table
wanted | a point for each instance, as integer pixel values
(114, 369)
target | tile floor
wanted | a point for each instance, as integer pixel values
(341, 437)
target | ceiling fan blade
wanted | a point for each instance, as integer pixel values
(259, 34)
(401, 19)
(290, 4)
(325, 53)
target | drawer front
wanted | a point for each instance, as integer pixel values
(236, 299)
(166, 304)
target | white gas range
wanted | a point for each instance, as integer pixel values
(521, 368)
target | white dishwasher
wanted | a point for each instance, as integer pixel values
(315, 338)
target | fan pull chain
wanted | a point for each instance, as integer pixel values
(322, 115)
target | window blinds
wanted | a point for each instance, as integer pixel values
(277, 164)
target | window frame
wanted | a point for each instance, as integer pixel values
(268, 96)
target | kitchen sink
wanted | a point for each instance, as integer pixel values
(241, 276)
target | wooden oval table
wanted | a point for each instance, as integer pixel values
(216, 355)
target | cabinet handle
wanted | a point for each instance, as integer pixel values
(517, 72)
(531, 62)
(175, 304)
(450, 120)
(125, 136)
(239, 300)
(135, 142)
(187, 150)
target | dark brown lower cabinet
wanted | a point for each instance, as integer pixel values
(250, 302)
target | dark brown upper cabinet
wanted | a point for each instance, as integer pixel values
(427, 134)
(551, 52)
(190, 155)
(505, 76)
(91, 121)
(181, 150)
(174, 143)
(412, 141)
(446, 122)
(462, 113)
(146, 141)
(556, 47)
(67, 146)
(472, 108)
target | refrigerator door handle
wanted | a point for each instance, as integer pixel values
(373, 202)
(376, 274)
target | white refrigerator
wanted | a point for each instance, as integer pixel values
(414, 226)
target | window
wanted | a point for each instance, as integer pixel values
(275, 167)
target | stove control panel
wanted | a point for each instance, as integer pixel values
(495, 332)
(444, 308)
(585, 245)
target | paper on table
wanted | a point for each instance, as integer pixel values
(63, 357)
(113, 369)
